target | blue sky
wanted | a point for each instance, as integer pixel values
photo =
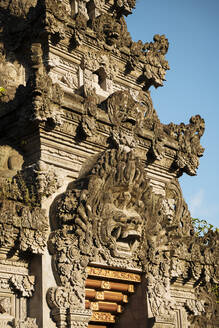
(192, 85)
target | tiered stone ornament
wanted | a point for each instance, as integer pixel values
(94, 228)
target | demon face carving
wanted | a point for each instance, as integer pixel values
(121, 226)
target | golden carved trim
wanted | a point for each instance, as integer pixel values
(110, 274)
(103, 317)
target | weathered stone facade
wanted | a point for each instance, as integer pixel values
(94, 228)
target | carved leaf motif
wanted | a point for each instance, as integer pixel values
(125, 7)
(188, 138)
(23, 284)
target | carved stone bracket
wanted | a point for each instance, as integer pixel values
(23, 284)
(125, 7)
(188, 138)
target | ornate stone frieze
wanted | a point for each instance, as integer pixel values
(24, 225)
(112, 35)
(163, 321)
(4, 283)
(70, 80)
(40, 100)
(63, 298)
(88, 124)
(95, 8)
(185, 137)
(203, 311)
(19, 20)
(195, 306)
(74, 212)
(122, 107)
(158, 142)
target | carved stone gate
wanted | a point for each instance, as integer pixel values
(94, 231)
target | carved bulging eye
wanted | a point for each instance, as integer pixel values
(123, 219)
